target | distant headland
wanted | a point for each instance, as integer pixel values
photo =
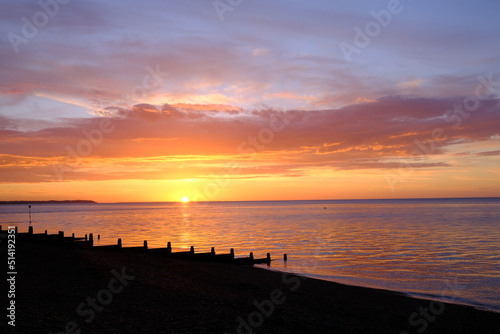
(77, 201)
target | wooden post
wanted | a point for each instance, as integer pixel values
(232, 253)
(0, 227)
(268, 257)
(61, 234)
(285, 257)
(212, 251)
(16, 229)
(73, 235)
(86, 237)
(251, 255)
(91, 239)
(46, 232)
(98, 237)
(119, 243)
(191, 250)
(30, 230)
(169, 247)
(145, 244)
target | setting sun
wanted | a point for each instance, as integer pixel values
(185, 199)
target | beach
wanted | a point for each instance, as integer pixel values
(90, 291)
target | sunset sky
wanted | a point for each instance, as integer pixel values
(249, 100)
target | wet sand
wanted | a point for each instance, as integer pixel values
(65, 290)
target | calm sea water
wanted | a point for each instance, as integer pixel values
(447, 249)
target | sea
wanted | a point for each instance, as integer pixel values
(436, 249)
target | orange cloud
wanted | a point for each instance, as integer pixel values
(170, 142)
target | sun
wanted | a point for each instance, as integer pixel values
(185, 199)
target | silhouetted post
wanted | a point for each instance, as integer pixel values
(268, 257)
(86, 237)
(169, 247)
(30, 230)
(119, 243)
(16, 229)
(29, 209)
(145, 244)
(46, 232)
(61, 234)
(232, 253)
(73, 235)
(0, 227)
(251, 255)
(212, 251)
(98, 237)
(285, 257)
(91, 239)
(191, 250)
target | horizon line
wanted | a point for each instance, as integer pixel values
(265, 200)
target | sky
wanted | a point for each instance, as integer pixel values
(249, 100)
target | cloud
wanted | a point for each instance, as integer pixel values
(285, 54)
(489, 153)
(260, 52)
(189, 141)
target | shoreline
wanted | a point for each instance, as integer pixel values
(417, 295)
(54, 286)
(69, 201)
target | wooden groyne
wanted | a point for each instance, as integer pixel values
(87, 242)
